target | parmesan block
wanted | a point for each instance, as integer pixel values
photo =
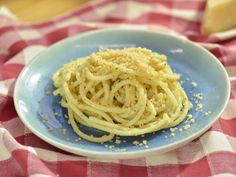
(220, 15)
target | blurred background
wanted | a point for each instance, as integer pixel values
(219, 15)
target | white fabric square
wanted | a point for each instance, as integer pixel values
(4, 153)
(160, 159)
(215, 141)
(29, 34)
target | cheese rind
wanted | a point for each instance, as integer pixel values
(220, 15)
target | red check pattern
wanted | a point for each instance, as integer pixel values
(24, 154)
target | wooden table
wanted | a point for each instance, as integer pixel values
(38, 10)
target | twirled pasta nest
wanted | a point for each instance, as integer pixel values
(125, 92)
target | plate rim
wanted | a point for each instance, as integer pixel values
(114, 154)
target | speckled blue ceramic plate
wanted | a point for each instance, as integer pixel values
(193, 62)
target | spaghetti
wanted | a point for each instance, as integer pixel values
(126, 92)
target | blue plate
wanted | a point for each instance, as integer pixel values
(35, 103)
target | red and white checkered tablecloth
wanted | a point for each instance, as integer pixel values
(24, 154)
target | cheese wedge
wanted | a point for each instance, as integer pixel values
(220, 15)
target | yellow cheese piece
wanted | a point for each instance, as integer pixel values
(220, 15)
